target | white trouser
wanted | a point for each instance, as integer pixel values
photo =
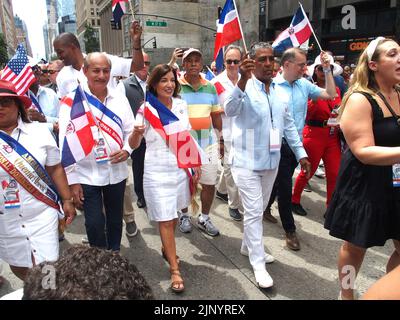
(255, 189)
(226, 183)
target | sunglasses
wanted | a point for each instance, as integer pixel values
(50, 71)
(146, 63)
(229, 61)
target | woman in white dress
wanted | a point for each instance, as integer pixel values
(166, 187)
(30, 175)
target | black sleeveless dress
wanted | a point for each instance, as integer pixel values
(365, 207)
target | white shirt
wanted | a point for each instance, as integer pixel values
(122, 89)
(32, 227)
(228, 85)
(49, 103)
(67, 79)
(87, 171)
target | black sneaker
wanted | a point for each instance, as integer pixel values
(235, 214)
(298, 209)
(222, 196)
(131, 229)
(141, 203)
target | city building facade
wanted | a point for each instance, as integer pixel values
(332, 19)
(87, 13)
(8, 25)
(22, 34)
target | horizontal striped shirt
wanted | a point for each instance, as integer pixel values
(201, 103)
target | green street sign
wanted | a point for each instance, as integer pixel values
(150, 23)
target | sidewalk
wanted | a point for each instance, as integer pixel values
(213, 268)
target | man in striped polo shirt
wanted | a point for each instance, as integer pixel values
(204, 115)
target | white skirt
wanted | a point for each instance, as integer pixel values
(166, 190)
(24, 233)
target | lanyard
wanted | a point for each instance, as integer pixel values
(270, 111)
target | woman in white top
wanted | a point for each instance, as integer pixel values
(28, 219)
(166, 187)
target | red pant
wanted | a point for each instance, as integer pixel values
(319, 144)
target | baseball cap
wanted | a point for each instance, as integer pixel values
(190, 51)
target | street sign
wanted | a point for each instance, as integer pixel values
(150, 23)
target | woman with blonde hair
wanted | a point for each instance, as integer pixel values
(365, 207)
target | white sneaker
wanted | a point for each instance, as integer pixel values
(268, 258)
(263, 279)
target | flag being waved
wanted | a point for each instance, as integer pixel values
(228, 28)
(18, 71)
(78, 140)
(299, 31)
(118, 10)
(179, 140)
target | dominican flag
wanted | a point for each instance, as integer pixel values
(78, 140)
(219, 62)
(228, 30)
(298, 32)
(18, 71)
(209, 75)
(118, 10)
(178, 138)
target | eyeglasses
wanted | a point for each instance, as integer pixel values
(229, 61)
(147, 63)
(6, 102)
(50, 71)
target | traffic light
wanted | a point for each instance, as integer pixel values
(115, 25)
(155, 43)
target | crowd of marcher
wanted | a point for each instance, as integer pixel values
(261, 118)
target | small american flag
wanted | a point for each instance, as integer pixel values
(18, 71)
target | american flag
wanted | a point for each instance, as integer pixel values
(18, 71)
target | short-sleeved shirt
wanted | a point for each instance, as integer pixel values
(295, 97)
(67, 79)
(201, 103)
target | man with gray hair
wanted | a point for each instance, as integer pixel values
(293, 92)
(259, 124)
(98, 180)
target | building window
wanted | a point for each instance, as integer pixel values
(98, 22)
(92, 11)
(91, 1)
(93, 22)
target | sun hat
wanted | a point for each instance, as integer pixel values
(7, 89)
(337, 70)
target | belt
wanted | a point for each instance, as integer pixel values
(317, 123)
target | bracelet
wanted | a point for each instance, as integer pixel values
(326, 70)
(68, 200)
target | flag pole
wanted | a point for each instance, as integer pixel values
(83, 94)
(132, 12)
(210, 70)
(312, 29)
(240, 27)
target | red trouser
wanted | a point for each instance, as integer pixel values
(319, 144)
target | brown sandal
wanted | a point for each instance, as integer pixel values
(177, 286)
(165, 256)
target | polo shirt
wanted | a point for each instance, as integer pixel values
(201, 104)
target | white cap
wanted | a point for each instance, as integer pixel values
(190, 51)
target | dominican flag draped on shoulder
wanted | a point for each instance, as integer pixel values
(188, 153)
(298, 32)
(78, 141)
(18, 71)
(228, 28)
(118, 10)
